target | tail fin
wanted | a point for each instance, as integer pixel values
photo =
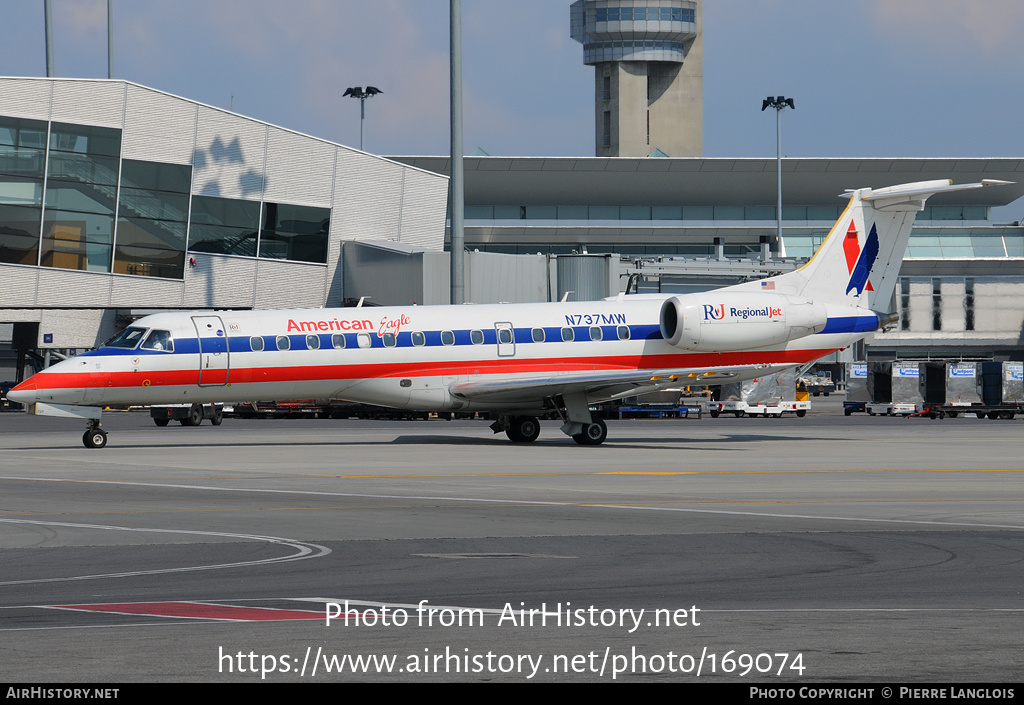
(859, 261)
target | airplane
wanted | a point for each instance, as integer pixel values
(513, 362)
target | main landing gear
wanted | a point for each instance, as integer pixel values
(519, 429)
(574, 410)
(577, 422)
(593, 434)
(94, 437)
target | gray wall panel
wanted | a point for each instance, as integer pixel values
(302, 169)
(18, 285)
(25, 97)
(158, 127)
(20, 315)
(71, 288)
(275, 285)
(220, 282)
(424, 206)
(82, 328)
(390, 276)
(89, 102)
(126, 292)
(492, 278)
(367, 198)
(229, 155)
(999, 308)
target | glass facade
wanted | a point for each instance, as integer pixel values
(152, 219)
(225, 226)
(81, 197)
(645, 14)
(22, 168)
(806, 228)
(297, 233)
(69, 201)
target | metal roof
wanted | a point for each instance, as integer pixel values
(722, 182)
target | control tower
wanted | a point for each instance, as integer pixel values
(648, 69)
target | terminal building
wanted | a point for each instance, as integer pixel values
(692, 224)
(116, 198)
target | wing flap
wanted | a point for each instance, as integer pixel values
(596, 385)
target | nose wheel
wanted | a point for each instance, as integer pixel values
(94, 437)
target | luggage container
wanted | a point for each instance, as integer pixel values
(963, 384)
(771, 395)
(895, 388)
(857, 396)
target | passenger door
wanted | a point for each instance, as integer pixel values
(214, 363)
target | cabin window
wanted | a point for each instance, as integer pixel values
(418, 339)
(538, 335)
(128, 338)
(504, 336)
(596, 333)
(338, 341)
(283, 343)
(623, 332)
(363, 339)
(476, 337)
(159, 340)
(256, 343)
(389, 340)
(568, 335)
(313, 342)
(447, 337)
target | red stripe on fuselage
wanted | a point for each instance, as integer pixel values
(446, 368)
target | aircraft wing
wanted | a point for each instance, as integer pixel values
(597, 385)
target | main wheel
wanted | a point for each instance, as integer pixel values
(95, 438)
(593, 434)
(523, 429)
(161, 422)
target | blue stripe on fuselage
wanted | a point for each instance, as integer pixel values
(850, 324)
(240, 344)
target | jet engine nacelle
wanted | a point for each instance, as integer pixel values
(719, 321)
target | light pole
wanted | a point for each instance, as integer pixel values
(779, 103)
(362, 95)
(457, 187)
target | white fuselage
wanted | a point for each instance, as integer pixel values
(418, 357)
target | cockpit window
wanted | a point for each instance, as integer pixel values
(159, 340)
(128, 338)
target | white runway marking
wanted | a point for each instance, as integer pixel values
(303, 551)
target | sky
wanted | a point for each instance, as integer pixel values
(870, 78)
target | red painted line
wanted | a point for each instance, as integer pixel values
(459, 368)
(198, 611)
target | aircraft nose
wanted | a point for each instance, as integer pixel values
(24, 393)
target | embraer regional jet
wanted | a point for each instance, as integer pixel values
(514, 362)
